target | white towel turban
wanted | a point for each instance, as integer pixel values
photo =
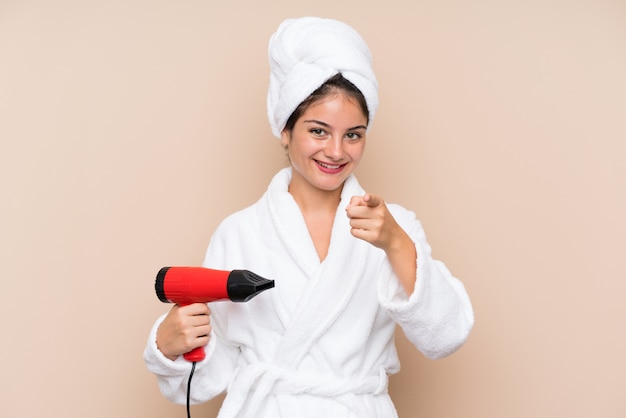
(307, 51)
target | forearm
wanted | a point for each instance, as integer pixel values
(438, 316)
(403, 259)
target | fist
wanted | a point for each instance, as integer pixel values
(183, 329)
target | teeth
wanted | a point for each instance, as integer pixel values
(331, 167)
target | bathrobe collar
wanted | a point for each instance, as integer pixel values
(331, 283)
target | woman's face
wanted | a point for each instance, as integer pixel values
(326, 143)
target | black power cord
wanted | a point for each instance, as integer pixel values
(193, 368)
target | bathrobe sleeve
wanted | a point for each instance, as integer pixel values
(438, 316)
(212, 375)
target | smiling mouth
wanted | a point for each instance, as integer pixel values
(329, 166)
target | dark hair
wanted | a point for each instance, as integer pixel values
(336, 84)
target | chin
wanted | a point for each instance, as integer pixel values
(330, 186)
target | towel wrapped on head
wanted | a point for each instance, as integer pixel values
(307, 51)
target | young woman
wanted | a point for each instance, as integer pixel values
(347, 266)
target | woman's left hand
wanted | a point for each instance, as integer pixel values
(371, 221)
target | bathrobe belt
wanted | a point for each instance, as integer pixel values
(256, 381)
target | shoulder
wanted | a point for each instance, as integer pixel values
(401, 213)
(229, 237)
(406, 218)
(240, 219)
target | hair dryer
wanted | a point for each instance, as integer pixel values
(186, 285)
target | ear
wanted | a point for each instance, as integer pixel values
(285, 137)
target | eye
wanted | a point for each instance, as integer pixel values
(319, 132)
(353, 136)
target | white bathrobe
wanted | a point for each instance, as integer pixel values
(320, 343)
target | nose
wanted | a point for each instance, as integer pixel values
(334, 148)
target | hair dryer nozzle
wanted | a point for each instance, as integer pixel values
(243, 285)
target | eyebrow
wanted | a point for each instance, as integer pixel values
(328, 126)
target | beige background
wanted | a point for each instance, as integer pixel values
(130, 128)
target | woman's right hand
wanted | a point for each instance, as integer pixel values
(183, 329)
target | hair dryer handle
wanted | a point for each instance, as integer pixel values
(197, 354)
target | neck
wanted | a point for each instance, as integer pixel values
(318, 208)
(311, 199)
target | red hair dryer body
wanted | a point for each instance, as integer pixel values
(186, 285)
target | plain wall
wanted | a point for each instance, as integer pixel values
(129, 129)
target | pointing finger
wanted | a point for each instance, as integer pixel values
(372, 200)
(355, 201)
